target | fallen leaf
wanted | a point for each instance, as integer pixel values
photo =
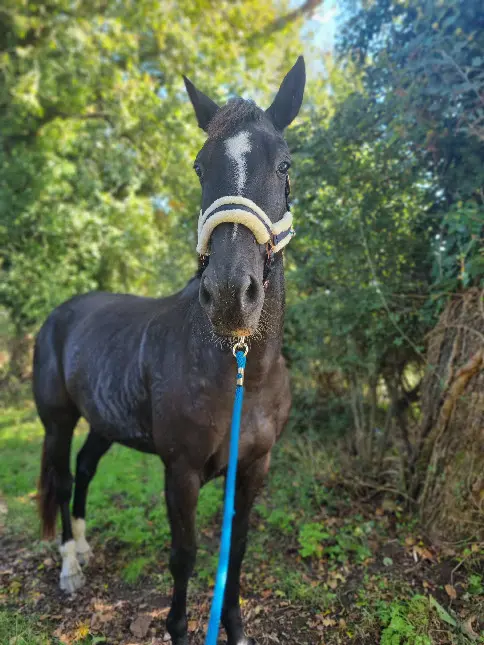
(98, 619)
(466, 627)
(424, 553)
(451, 592)
(139, 627)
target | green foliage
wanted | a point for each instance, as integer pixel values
(281, 520)
(388, 177)
(311, 537)
(476, 584)
(360, 263)
(349, 542)
(405, 623)
(135, 568)
(458, 249)
(425, 79)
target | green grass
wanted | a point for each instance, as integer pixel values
(309, 541)
(18, 630)
(22, 630)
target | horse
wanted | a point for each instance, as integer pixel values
(157, 374)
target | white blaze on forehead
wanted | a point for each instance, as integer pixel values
(237, 147)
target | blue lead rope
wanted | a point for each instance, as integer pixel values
(229, 505)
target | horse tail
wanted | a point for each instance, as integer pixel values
(47, 497)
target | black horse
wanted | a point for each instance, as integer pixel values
(158, 375)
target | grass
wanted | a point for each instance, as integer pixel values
(311, 544)
(18, 630)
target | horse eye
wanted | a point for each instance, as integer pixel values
(198, 169)
(283, 167)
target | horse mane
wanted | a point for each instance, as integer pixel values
(231, 116)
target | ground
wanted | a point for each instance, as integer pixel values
(323, 568)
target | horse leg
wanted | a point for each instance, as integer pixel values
(88, 458)
(56, 480)
(181, 491)
(249, 483)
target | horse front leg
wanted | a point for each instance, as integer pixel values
(182, 486)
(249, 482)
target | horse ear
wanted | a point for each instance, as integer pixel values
(204, 107)
(285, 106)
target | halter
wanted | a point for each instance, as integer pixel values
(235, 209)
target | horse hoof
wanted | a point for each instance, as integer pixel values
(71, 577)
(72, 582)
(84, 553)
(180, 641)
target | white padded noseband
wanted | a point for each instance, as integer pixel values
(235, 209)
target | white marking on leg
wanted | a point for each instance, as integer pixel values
(71, 577)
(234, 232)
(237, 147)
(84, 551)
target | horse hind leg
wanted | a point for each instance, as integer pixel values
(56, 488)
(88, 458)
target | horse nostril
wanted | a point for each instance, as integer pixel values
(205, 295)
(252, 292)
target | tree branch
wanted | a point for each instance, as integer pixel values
(305, 10)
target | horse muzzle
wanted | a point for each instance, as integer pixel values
(234, 303)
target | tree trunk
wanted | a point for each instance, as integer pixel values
(449, 472)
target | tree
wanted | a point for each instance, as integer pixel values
(424, 70)
(360, 268)
(421, 66)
